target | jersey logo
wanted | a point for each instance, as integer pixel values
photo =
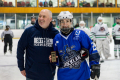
(77, 33)
(76, 36)
(70, 58)
(93, 46)
(102, 29)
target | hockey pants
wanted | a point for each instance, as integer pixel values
(103, 47)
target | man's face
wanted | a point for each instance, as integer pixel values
(33, 20)
(44, 19)
(65, 23)
(53, 22)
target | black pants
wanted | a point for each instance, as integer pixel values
(116, 41)
(7, 41)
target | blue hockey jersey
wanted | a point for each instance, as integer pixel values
(71, 67)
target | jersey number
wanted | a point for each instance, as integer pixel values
(94, 46)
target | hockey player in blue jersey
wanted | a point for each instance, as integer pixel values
(73, 47)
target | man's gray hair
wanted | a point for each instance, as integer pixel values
(50, 13)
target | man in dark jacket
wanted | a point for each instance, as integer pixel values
(38, 41)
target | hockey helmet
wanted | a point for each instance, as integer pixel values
(65, 15)
(82, 22)
(98, 20)
(53, 20)
(33, 17)
(117, 18)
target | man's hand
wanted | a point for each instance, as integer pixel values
(2, 40)
(50, 58)
(23, 73)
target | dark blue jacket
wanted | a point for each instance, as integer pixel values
(38, 43)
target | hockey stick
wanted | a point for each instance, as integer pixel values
(96, 78)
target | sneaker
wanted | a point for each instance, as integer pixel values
(115, 55)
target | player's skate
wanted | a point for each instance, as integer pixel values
(101, 60)
(116, 55)
(109, 55)
(119, 55)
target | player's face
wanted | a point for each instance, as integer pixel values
(33, 20)
(117, 20)
(100, 20)
(54, 23)
(65, 23)
(81, 24)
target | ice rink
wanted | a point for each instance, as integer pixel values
(110, 69)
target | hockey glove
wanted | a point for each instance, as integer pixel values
(113, 37)
(95, 71)
(94, 39)
(110, 40)
(2, 40)
(84, 53)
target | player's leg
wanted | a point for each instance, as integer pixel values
(99, 49)
(106, 49)
(119, 50)
(5, 46)
(115, 50)
(116, 43)
(10, 45)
